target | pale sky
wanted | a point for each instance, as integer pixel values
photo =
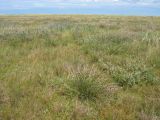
(119, 7)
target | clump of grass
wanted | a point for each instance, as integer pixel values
(85, 88)
(131, 73)
(84, 85)
(129, 79)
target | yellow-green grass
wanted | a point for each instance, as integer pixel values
(80, 67)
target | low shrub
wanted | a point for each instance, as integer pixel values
(130, 74)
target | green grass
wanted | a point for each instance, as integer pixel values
(84, 85)
(80, 67)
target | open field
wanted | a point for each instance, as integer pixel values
(79, 67)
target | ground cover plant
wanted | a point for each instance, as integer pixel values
(79, 67)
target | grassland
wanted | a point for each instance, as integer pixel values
(79, 67)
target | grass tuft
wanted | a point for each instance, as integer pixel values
(85, 85)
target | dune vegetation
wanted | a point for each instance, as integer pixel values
(79, 67)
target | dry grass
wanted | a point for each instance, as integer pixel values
(79, 67)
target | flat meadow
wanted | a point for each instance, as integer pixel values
(79, 67)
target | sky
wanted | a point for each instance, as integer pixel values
(110, 7)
